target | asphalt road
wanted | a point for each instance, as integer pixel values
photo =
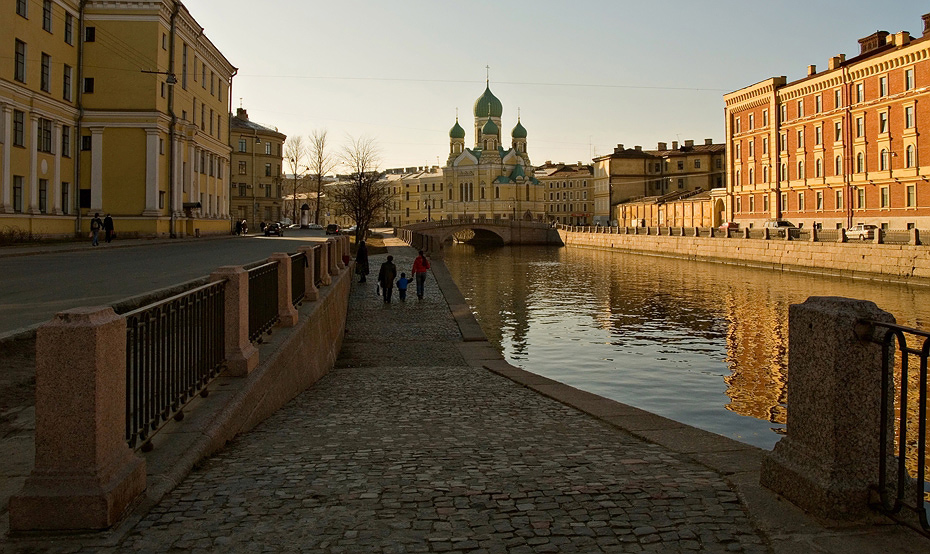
(35, 287)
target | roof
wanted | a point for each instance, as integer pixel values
(487, 105)
(518, 131)
(490, 128)
(457, 132)
(238, 123)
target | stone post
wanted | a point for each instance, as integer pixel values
(813, 234)
(311, 293)
(85, 474)
(340, 250)
(712, 232)
(879, 239)
(915, 237)
(841, 235)
(830, 455)
(287, 313)
(746, 234)
(241, 354)
(788, 233)
(324, 253)
(766, 233)
(697, 231)
(333, 254)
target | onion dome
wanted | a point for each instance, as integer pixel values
(519, 131)
(488, 105)
(490, 128)
(457, 132)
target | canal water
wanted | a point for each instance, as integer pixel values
(701, 343)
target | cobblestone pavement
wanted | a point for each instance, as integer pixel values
(404, 448)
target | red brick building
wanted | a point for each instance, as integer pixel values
(838, 147)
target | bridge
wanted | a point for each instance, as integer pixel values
(431, 236)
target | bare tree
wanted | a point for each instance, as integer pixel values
(321, 163)
(364, 194)
(296, 152)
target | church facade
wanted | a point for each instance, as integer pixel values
(490, 180)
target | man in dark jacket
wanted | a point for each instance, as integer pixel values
(386, 277)
(108, 227)
(361, 261)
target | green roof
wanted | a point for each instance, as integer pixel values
(517, 172)
(490, 128)
(519, 131)
(457, 132)
(488, 105)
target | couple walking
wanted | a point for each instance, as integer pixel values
(96, 225)
(388, 273)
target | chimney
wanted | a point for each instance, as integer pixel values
(674, 145)
(618, 149)
(689, 144)
(837, 61)
(242, 114)
(638, 148)
(872, 42)
(663, 146)
(811, 70)
(902, 38)
(548, 162)
(926, 18)
(708, 142)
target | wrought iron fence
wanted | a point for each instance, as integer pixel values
(904, 424)
(298, 278)
(174, 348)
(828, 235)
(263, 300)
(317, 266)
(896, 237)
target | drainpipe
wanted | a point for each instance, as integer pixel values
(172, 205)
(847, 145)
(78, 137)
(229, 143)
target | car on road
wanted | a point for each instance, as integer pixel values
(274, 229)
(350, 230)
(332, 229)
(862, 231)
(779, 227)
(315, 227)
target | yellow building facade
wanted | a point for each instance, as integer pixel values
(568, 191)
(257, 186)
(118, 108)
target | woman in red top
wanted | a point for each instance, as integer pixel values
(420, 267)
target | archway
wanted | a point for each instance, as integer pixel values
(719, 212)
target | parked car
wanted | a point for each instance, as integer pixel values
(862, 231)
(332, 229)
(779, 227)
(274, 229)
(729, 226)
(350, 230)
(315, 227)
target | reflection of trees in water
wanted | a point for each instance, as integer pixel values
(691, 305)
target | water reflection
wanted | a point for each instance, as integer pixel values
(701, 343)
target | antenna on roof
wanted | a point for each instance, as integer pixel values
(487, 76)
(240, 101)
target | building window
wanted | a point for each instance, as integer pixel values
(765, 174)
(241, 189)
(909, 156)
(838, 198)
(838, 98)
(242, 145)
(860, 162)
(765, 118)
(911, 196)
(242, 168)
(860, 92)
(69, 28)
(783, 200)
(45, 78)
(89, 85)
(739, 204)
(203, 116)
(268, 191)
(66, 198)
(752, 121)
(909, 117)
(267, 170)
(765, 203)
(800, 138)
(212, 84)
(783, 172)
(697, 164)
(86, 143)
(90, 34)
(886, 197)
(838, 166)
(752, 148)
(47, 16)
(883, 160)
(883, 122)
(739, 180)
(783, 138)
(860, 198)
(818, 135)
(784, 112)
(203, 76)
(719, 163)
(19, 71)
(66, 141)
(860, 126)
(736, 125)
(19, 128)
(800, 170)
(765, 145)
(21, 7)
(66, 83)
(211, 121)
(818, 168)
(837, 131)
(819, 200)
(800, 201)
(43, 196)
(908, 79)
(818, 103)
(681, 164)
(751, 177)
(883, 86)
(45, 136)
(161, 200)
(800, 108)
(17, 193)
(752, 203)
(268, 149)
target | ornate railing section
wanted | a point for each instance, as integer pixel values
(174, 348)
(263, 300)
(298, 278)
(903, 425)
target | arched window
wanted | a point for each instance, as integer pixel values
(909, 156)
(738, 180)
(497, 192)
(860, 162)
(784, 172)
(765, 174)
(818, 168)
(838, 170)
(751, 176)
(883, 160)
(482, 193)
(800, 170)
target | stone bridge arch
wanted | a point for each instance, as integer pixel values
(431, 236)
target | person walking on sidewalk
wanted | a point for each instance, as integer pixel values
(108, 228)
(420, 267)
(361, 261)
(386, 277)
(402, 287)
(95, 225)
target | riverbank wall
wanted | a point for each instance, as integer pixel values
(881, 262)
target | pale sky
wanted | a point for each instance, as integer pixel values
(585, 74)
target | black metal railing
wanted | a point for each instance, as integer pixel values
(263, 300)
(298, 278)
(174, 348)
(904, 424)
(318, 266)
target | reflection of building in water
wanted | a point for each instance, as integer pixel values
(757, 354)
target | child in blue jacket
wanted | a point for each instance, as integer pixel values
(402, 286)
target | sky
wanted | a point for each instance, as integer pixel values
(586, 75)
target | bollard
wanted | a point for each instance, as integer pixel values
(813, 234)
(325, 253)
(85, 474)
(879, 239)
(915, 237)
(332, 256)
(241, 354)
(830, 456)
(311, 293)
(841, 235)
(287, 313)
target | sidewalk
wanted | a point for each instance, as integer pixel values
(424, 440)
(30, 249)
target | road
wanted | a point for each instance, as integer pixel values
(35, 287)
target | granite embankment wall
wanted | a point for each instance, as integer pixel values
(884, 262)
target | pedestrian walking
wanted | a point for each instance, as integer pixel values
(420, 267)
(402, 287)
(238, 227)
(245, 227)
(386, 277)
(361, 261)
(108, 228)
(95, 225)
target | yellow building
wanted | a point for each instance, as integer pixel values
(116, 108)
(257, 188)
(569, 192)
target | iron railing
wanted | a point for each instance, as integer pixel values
(263, 300)
(318, 266)
(904, 422)
(298, 278)
(174, 348)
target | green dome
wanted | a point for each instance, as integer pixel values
(519, 131)
(490, 128)
(457, 132)
(488, 105)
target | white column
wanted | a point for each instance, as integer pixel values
(33, 165)
(178, 179)
(56, 175)
(223, 202)
(96, 169)
(191, 176)
(6, 192)
(151, 173)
